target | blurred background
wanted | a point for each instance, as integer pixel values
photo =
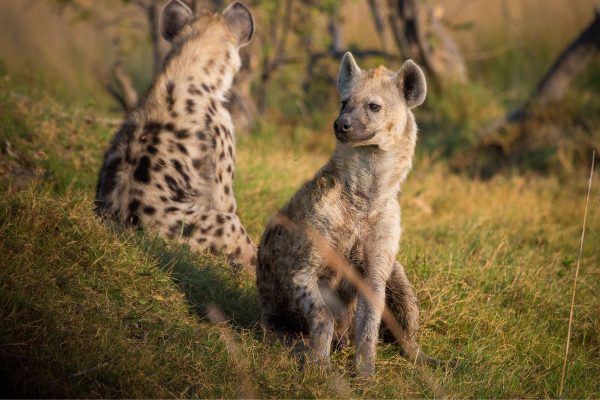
(491, 213)
(484, 60)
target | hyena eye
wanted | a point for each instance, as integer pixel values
(344, 103)
(374, 107)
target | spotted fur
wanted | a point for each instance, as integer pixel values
(352, 203)
(170, 167)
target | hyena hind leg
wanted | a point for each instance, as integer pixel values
(403, 304)
(220, 232)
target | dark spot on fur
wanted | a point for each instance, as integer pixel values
(206, 88)
(188, 229)
(170, 95)
(220, 219)
(171, 209)
(203, 217)
(152, 128)
(229, 169)
(200, 135)
(149, 210)
(175, 229)
(182, 149)
(196, 163)
(179, 169)
(190, 106)
(170, 126)
(226, 189)
(253, 260)
(219, 232)
(151, 149)
(142, 172)
(182, 134)
(178, 193)
(222, 155)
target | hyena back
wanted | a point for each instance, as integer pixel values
(352, 205)
(170, 167)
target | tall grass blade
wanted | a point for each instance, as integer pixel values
(587, 201)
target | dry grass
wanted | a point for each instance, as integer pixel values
(88, 310)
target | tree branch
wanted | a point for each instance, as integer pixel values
(573, 60)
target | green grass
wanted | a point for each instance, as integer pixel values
(90, 310)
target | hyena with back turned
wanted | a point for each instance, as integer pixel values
(170, 167)
(352, 205)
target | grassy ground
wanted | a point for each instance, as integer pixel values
(90, 310)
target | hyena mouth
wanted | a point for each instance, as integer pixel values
(353, 140)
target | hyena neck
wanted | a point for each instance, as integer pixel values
(373, 171)
(197, 70)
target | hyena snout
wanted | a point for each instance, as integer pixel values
(343, 127)
(348, 129)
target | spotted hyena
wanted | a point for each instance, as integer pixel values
(352, 206)
(170, 167)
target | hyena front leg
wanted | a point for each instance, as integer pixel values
(319, 319)
(403, 304)
(224, 233)
(368, 319)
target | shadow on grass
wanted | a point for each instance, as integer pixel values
(206, 281)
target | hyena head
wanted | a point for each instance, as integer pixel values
(376, 103)
(179, 24)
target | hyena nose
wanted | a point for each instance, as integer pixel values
(343, 123)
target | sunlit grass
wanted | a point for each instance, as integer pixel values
(90, 310)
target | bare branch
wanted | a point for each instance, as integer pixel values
(125, 93)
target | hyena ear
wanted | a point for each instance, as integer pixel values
(412, 84)
(241, 22)
(349, 72)
(174, 17)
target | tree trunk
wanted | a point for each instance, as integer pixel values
(573, 60)
(570, 63)
(406, 27)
